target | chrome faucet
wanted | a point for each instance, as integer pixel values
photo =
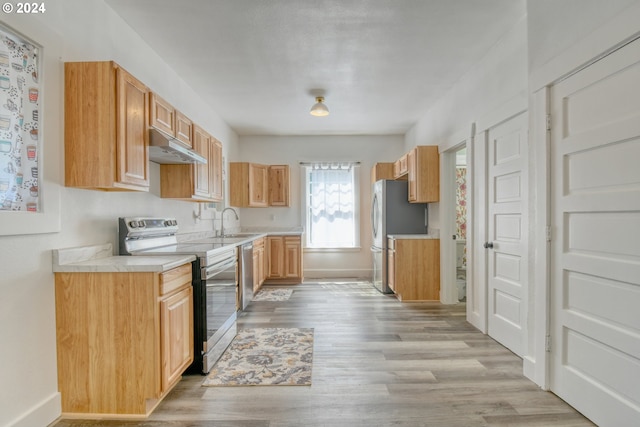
(222, 220)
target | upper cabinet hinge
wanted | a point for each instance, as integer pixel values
(548, 121)
(548, 232)
(547, 343)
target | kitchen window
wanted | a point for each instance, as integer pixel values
(331, 208)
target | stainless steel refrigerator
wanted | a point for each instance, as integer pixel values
(391, 213)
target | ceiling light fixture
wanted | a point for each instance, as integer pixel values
(319, 109)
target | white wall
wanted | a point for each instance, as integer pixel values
(74, 30)
(292, 150)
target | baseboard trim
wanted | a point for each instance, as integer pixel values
(365, 273)
(43, 414)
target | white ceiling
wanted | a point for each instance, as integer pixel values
(379, 63)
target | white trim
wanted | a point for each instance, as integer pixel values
(508, 110)
(41, 414)
(448, 288)
(536, 366)
(321, 273)
(477, 274)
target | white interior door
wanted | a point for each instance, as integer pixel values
(506, 240)
(595, 268)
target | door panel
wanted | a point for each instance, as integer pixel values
(595, 270)
(507, 260)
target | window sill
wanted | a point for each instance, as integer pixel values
(353, 249)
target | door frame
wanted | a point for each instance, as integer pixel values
(448, 288)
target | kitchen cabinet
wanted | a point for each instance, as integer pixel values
(259, 263)
(401, 168)
(195, 182)
(105, 125)
(163, 116)
(423, 164)
(123, 339)
(184, 129)
(215, 170)
(248, 185)
(413, 267)
(279, 185)
(391, 267)
(284, 259)
(382, 171)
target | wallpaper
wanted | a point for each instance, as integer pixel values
(461, 203)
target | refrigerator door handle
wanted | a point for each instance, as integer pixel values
(374, 215)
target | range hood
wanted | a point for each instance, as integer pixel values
(166, 150)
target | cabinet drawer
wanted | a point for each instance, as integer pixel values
(175, 279)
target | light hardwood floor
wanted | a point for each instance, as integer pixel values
(377, 362)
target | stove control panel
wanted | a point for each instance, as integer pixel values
(139, 227)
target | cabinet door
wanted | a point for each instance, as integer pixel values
(132, 138)
(162, 115)
(201, 141)
(256, 269)
(262, 265)
(184, 129)
(424, 174)
(275, 258)
(381, 171)
(279, 185)
(292, 257)
(215, 170)
(176, 324)
(391, 269)
(411, 174)
(258, 185)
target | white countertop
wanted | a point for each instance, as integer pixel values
(413, 236)
(100, 259)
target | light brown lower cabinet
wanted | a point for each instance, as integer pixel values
(123, 339)
(284, 259)
(413, 268)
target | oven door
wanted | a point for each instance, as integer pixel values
(220, 282)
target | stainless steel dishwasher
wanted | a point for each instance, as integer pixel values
(246, 274)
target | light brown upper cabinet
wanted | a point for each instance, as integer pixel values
(382, 171)
(215, 170)
(423, 164)
(248, 185)
(279, 185)
(195, 182)
(253, 185)
(106, 138)
(401, 168)
(164, 117)
(184, 129)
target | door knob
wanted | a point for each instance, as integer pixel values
(488, 245)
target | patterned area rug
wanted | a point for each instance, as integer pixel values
(273, 294)
(265, 356)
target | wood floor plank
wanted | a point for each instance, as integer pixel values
(377, 362)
